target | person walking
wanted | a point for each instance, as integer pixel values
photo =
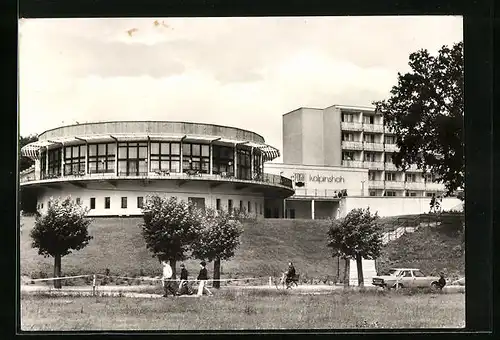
(183, 285)
(442, 281)
(290, 275)
(166, 279)
(202, 278)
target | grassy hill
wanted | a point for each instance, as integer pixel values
(267, 246)
(432, 249)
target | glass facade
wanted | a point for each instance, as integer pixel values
(102, 158)
(244, 164)
(223, 160)
(132, 159)
(196, 157)
(74, 160)
(54, 166)
(165, 156)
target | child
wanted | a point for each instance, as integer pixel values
(203, 277)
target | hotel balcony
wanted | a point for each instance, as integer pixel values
(317, 193)
(352, 164)
(415, 185)
(373, 165)
(391, 147)
(430, 186)
(376, 184)
(413, 168)
(351, 145)
(351, 126)
(390, 166)
(373, 128)
(373, 146)
(388, 130)
(394, 185)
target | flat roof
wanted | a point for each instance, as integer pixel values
(345, 107)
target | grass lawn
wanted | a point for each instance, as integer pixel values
(245, 309)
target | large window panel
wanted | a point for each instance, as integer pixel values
(223, 160)
(192, 159)
(132, 159)
(74, 160)
(165, 157)
(54, 166)
(244, 164)
(102, 158)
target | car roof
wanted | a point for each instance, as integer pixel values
(404, 269)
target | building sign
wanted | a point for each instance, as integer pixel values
(301, 177)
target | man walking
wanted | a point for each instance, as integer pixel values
(203, 277)
(166, 278)
(183, 285)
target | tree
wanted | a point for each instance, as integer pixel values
(356, 236)
(25, 162)
(170, 226)
(59, 231)
(426, 113)
(218, 238)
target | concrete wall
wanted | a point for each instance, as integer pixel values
(312, 137)
(292, 137)
(342, 178)
(394, 206)
(132, 190)
(332, 135)
(151, 127)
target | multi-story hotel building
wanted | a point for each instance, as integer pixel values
(352, 137)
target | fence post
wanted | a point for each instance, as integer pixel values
(93, 285)
(270, 285)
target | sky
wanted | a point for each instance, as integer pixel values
(241, 72)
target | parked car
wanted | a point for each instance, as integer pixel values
(405, 277)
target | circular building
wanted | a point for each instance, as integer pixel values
(111, 167)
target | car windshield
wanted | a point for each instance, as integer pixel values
(418, 273)
(393, 272)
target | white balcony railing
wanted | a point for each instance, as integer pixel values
(415, 185)
(351, 126)
(377, 184)
(373, 146)
(352, 145)
(394, 185)
(390, 166)
(391, 147)
(431, 186)
(373, 127)
(373, 165)
(353, 164)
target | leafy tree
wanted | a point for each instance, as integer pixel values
(218, 238)
(426, 113)
(25, 162)
(59, 231)
(170, 226)
(356, 236)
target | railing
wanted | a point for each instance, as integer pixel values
(415, 185)
(352, 145)
(373, 146)
(388, 130)
(352, 126)
(390, 166)
(394, 184)
(373, 127)
(373, 165)
(264, 178)
(391, 147)
(352, 164)
(329, 193)
(376, 184)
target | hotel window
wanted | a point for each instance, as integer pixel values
(107, 202)
(411, 177)
(368, 119)
(102, 158)
(373, 193)
(371, 175)
(348, 156)
(74, 160)
(55, 162)
(43, 163)
(124, 202)
(347, 117)
(348, 137)
(388, 157)
(223, 160)
(244, 164)
(430, 178)
(249, 207)
(217, 204)
(196, 157)
(429, 194)
(230, 206)
(132, 159)
(257, 167)
(92, 203)
(390, 193)
(165, 157)
(369, 138)
(389, 140)
(369, 157)
(390, 176)
(140, 202)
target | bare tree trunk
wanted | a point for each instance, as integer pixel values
(338, 270)
(172, 264)
(346, 272)
(57, 271)
(216, 273)
(359, 264)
